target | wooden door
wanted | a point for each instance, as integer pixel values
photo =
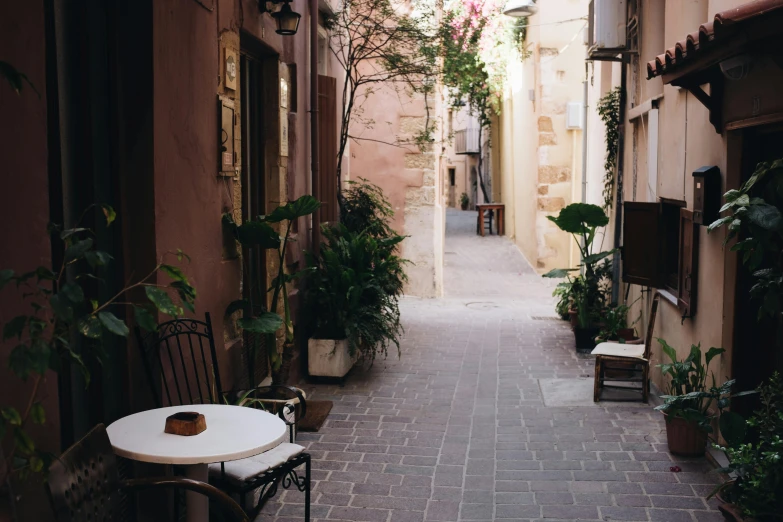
(327, 147)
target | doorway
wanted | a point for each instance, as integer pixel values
(758, 351)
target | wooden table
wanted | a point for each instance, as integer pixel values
(232, 433)
(499, 209)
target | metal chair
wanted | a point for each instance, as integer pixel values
(84, 484)
(175, 357)
(628, 363)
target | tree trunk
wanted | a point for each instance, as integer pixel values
(480, 163)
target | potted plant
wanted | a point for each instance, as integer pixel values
(687, 404)
(563, 292)
(614, 326)
(260, 233)
(754, 449)
(464, 201)
(582, 221)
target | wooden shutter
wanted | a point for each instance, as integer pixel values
(642, 243)
(689, 263)
(327, 143)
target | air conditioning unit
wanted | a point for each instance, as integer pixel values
(606, 29)
(575, 116)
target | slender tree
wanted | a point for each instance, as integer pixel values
(381, 43)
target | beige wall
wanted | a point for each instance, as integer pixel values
(686, 141)
(410, 178)
(540, 160)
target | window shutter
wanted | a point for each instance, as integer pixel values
(642, 243)
(689, 263)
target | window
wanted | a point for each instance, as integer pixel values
(450, 122)
(323, 51)
(452, 176)
(660, 249)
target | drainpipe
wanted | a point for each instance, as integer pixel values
(584, 140)
(618, 214)
(584, 148)
(314, 164)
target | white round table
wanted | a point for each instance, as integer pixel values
(233, 432)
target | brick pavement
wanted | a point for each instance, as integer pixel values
(457, 429)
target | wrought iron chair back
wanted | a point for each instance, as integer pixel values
(181, 359)
(84, 484)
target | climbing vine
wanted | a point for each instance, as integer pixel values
(609, 111)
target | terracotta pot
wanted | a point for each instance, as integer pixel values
(629, 334)
(685, 438)
(464, 205)
(573, 317)
(733, 513)
(585, 338)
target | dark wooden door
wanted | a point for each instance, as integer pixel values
(327, 151)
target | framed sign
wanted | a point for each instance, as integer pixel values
(283, 132)
(230, 69)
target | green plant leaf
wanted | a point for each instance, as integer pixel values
(266, 323)
(62, 307)
(15, 78)
(162, 301)
(113, 323)
(90, 327)
(145, 319)
(6, 276)
(258, 233)
(668, 350)
(711, 354)
(24, 443)
(108, 213)
(19, 361)
(766, 216)
(594, 258)
(77, 249)
(37, 413)
(733, 428)
(73, 292)
(11, 415)
(97, 258)
(577, 216)
(14, 327)
(303, 206)
(559, 273)
(173, 272)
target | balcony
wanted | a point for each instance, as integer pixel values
(466, 141)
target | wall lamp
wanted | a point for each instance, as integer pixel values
(286, 19)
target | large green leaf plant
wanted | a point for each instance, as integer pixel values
(65, 323)
(583, 221)
(261, 232)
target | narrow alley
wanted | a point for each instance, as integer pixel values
(470, 422)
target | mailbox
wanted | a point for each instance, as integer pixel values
(706, 195)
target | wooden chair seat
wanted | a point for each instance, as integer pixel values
(626, 363)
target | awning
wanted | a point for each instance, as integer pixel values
(731, 32)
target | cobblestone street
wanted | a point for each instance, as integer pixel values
(461, 426)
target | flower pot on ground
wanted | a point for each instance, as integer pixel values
(329, 358)
(688, 405)
(464, 201)
(573, 318)
(585, 338)
(685, 438)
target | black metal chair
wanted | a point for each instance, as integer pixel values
(175, 358)
(84, 484)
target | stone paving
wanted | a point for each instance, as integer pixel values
(458, 428)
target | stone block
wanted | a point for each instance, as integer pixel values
(553, 174)
(412, 124)
(545, 124)
(549, 204)
(420, 161)
(543, 190)
(547, 138)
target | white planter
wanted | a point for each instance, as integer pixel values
(329, 358)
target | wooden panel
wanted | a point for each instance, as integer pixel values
(689, 263)
(327, 143)
(641, 243)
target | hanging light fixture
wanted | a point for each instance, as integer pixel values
(286, 19)
(520, 8)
